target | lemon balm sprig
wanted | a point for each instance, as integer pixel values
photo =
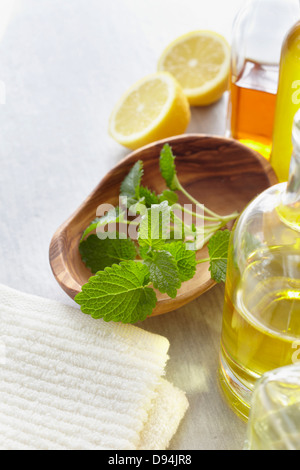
(169, 173)
(127, 271)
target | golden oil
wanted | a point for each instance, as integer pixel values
(253, 100)
(261, 320)
(288, 102)
(277, 430)
(274, 421)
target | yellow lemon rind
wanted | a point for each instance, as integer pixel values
(172, 120)
(213, 89)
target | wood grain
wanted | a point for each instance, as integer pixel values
(221, 173)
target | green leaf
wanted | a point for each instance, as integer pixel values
(131, 184)
(168, 168)
(218, 253)
(154, 226)
(150, 197)
(164, 273)
(98, 253)
(169, 196)
(119, 293)
(90, 228)
(138, 208)
(144, 251)
(176, 234)
(113, 216)
(185, 259)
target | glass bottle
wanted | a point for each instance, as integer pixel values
(258, 33)
(261, 318)
(274, 422)
(288, 102)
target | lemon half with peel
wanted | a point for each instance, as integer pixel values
(154, 108)
(200, 61)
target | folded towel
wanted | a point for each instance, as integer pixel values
(70, 382)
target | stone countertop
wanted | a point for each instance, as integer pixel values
(63, 65)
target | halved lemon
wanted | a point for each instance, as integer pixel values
(154, 108)
(200, 61)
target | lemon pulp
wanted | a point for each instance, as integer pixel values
(200, 61)
(152, 109)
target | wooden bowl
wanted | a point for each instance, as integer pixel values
(221, 173)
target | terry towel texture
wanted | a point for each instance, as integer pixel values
(70, 382)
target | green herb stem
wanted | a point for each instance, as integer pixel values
(213, 214)
(183, 225)
(203, 260)
(198, 216)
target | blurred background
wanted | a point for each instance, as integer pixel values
(64, 64)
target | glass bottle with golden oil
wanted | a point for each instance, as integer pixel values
(288, 102)
(261, 318)
(258, 33)
(274, 421)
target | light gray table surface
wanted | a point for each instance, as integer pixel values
(64, 64)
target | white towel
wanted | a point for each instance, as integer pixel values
(70, 382)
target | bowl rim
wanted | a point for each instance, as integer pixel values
(56, 248)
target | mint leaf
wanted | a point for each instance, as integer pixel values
(164, 273)
(98, 253)
(169, 196)
(154, 226)
(144, 251)
(168, 168)
(90, 228)
(112, 216)
(218, 253)
(150, 197)
(185, 259)
(119, 293)
(131, 184)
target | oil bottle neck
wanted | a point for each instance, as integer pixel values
(293, 186)
(289, 210)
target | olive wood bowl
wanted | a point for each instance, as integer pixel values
(221, 173)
